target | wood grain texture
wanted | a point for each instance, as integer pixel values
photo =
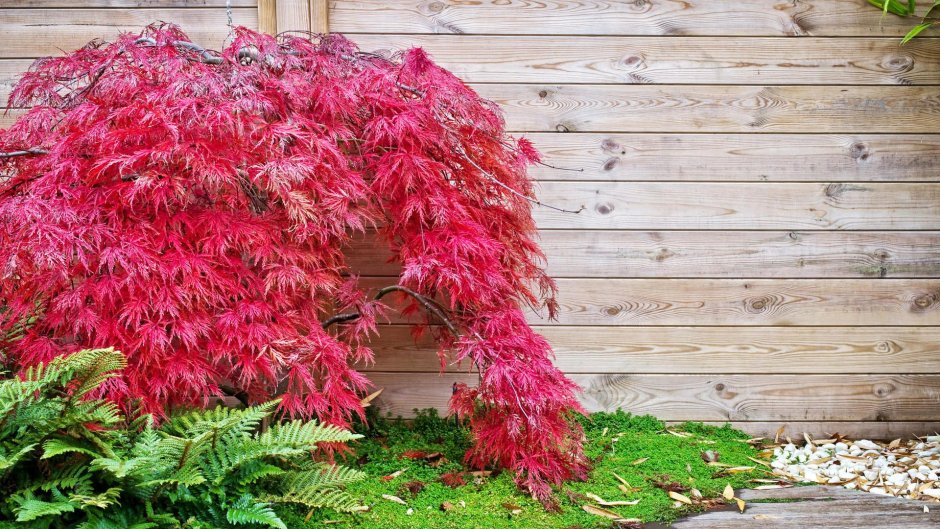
(714, 109)
(41, 32)
(799, 206)
(699, 350)
(882, 430)
(766, 398)
(267, 16)
(740, 302)
(138, 4)
(675, 60)
(712, 254)
(755, 109)
(739, 157)
(319, 16)
(293, 15)
(605, 17)
(830, 507)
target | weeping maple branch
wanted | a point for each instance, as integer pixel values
(427, 303)
(27, 152)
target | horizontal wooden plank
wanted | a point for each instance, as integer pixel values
(800, 206)
(714, 254)
(40, 32)
(882, 430)
(679, 60)
(740, 302)
(716, 109)
(137, 4)
(699, 350)
(766, 398)
(739, 157)
(603, 17)
(646, 108)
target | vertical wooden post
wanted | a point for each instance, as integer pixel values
(267, 16)
(320, 16)
(293, 15)
(275, 16)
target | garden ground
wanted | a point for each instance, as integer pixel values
(644, 472)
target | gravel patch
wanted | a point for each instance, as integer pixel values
(907, 469)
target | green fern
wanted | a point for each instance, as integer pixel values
(210, 469)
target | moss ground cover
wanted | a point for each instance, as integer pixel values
(421, 465)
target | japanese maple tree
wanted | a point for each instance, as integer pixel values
(192, 208)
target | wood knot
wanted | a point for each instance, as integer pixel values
(543, 94)
(757, 305)
(612, 311)
(834, 190)
(604, 208)
(561, 127)
(436, 7)
(881, 254)
(632, 60)
(794, 235)
(610, 145)
(611, 163)
(925, 301)
(859, 151)
(886, 346)
(883, 390)
(899, 63)
(663, 254)
(719, 387)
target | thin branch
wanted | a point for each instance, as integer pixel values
(428, 304)
(28, 152)
(496, 181)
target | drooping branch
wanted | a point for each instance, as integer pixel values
(27, 152)
(427, 303)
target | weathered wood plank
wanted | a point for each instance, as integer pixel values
(714, 254)
(765, 398)
(603, 17)
(800, 206)
(699, 350)
(138, 4)
(40, 32)
(645, 108)
(881, 430)
(680, 60)
(739, 157)
(830, 507)
(721, 109)
(293, 15)
(741, 302)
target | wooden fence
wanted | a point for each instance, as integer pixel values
(761, 239)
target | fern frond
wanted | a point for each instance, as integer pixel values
(28, 508)
(246, 511)
(298, 433)
(102, 501)
(65, 445)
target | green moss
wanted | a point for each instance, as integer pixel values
(616, 442)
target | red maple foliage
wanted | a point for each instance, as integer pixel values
(192, 208)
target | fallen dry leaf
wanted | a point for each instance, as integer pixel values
(393, 475)
(779, 433)
(678, 434)
(394, 499)
(759, 462)
(680, 497)
(367, 401)
(640, 461)
(728, 493)
(447, 506)
(512, 508)
(597, 511)
(710, 456)
(741, 504)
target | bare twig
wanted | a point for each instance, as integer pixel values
(496, 181)
(27, 152)
(428, 304)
